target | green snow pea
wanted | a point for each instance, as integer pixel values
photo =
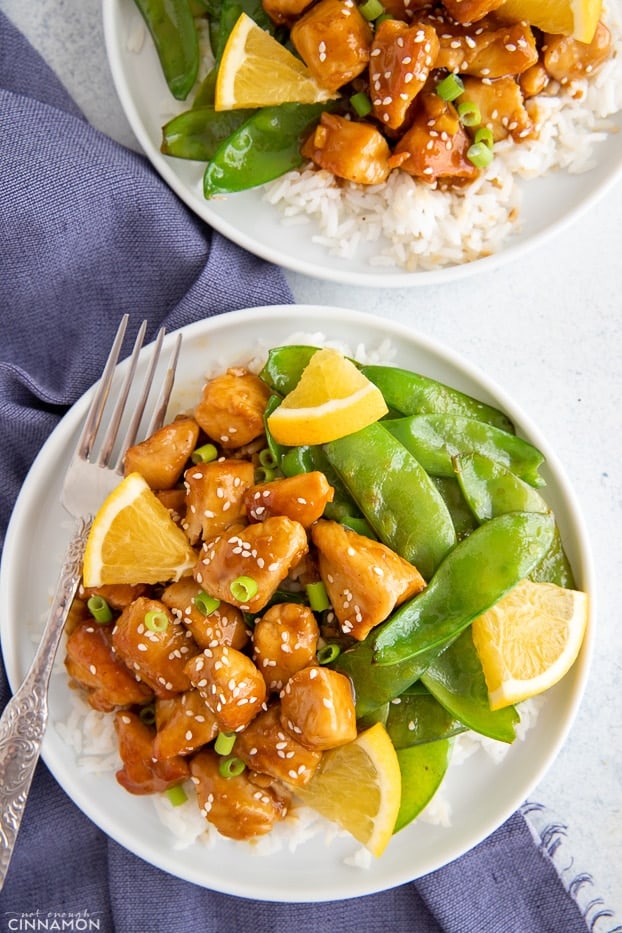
(473, 576)
(284, 366)
(413, 394)
(174, 34)
(266, 146)
(435, 439)
(461, 515)
(416, 717)
(490, 489)
(422, 768)
(197, 133)
(455, 678)
(395, 494)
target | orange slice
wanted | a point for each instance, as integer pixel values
(577, 18)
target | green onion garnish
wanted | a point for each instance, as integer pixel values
(484, 135)
(224, 743)
(176, 794)
(317, 595)
(267, 459)
(359, 525)
(264, 474)
(469, 113)
(328, 653)
(204, 454)
(479, 154)
(450, 87)
(156, 621)
(206, 603)
(371, 9)
(147, 714)
(99, 609)
(230, 767)
(361, 104)
(243, 588)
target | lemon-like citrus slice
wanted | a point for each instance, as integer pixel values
(133, 539)
(257, 71)
(529, 640)
(359, 787)
(332, 399)
(577, 18)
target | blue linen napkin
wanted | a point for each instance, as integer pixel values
(87, 232)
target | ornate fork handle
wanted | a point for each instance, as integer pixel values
(23, 722)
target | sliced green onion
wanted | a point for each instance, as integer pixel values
(469, 113)
(231, 767)
(371, 9)
(484, 135)
(382, 17)
(206, 603)
(176, 794)
(204, 454)
(361, 104)
(156, 621)
(450, 87)
(224, 743)
(264, 474)
(328, 653)
(243, 588)
(480, 155)
(267, 459)
(99, 609)
(147, 714)
(318, 597)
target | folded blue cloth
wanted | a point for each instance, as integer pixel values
(88, 231)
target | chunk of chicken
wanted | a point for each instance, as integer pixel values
(117, 595)
(501, 106)
(158, 658)
(533, 81)
(406, 10)
(232, 406)
(175, 501)
(401, 59)
(284, 12)
(435, 146)
(317, 708)
(215, 496)
(302, 498)
(284, 641)
(333, 39)
(470, 11)
(230, 684)
(265, 552)
(355, 151)
(225, 625)
(142, 772)
(567, 60)
(91, 662)
(485, 50)
(266, 747)
(236, 806)
(364, 579)
(161, 458)
(183, 723)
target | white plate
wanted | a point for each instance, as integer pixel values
(482, 795)
(549, 205)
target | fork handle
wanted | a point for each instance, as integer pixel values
(24, 719)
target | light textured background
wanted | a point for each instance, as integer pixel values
(548, 329)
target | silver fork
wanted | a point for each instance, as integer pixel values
(90, 476)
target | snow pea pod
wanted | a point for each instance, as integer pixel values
(435, 439)
(461, 515)
(473, 576)
(395, 494)
(422, 768)
(266, 146)
(455, 678)
(197, 133)
(490, 489)
(418, 717)
(284, 366)
(174, 34)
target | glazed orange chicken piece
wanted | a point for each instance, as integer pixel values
(237, 806)
(567, 60)
(265, 552)
(317, 708)
(158, 658)
(266, 747)
(400, 62)
(470, 11)
(215, 496)
(117, 595)
(230, 684)
(142, 772)
(183, 723)
(302, 498)
(285, 11)
(436, 144)
(486, 49)
(355, 151)
(284, 641)
(364, 579)
(501, 105)
(406, 10)
(333, 39)
(225, 625)
(232, 406)
(91, 662)
(161, 458)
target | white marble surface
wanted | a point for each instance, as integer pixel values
(549, 330)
